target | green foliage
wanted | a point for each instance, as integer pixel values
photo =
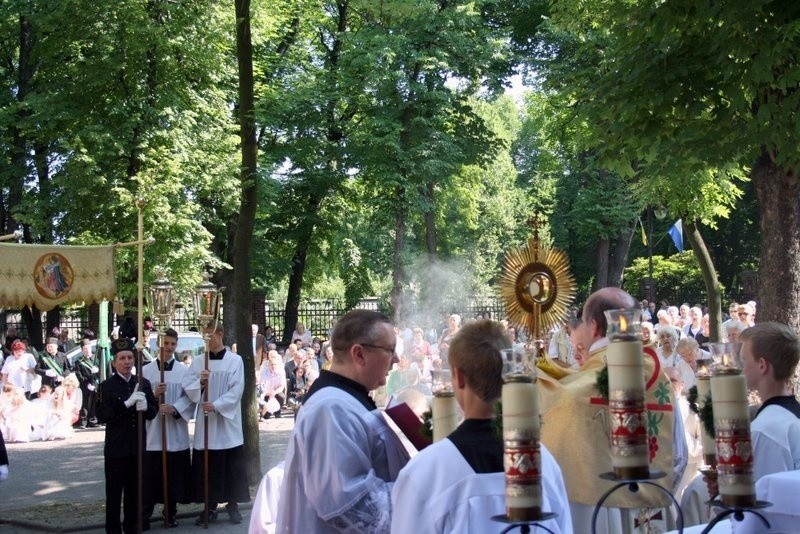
(706, 414)
(133, 108)
(678, 274)
(601, 382)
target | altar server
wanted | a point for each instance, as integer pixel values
(227, 470)
(176, 410)
(458, 484)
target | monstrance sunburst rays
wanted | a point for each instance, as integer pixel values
(537, 286)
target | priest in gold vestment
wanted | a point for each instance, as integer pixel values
(575, 427)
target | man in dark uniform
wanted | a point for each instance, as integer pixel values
(86, 370)
(53, 365)
(119, 398)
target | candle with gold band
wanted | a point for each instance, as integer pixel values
(626, 406)
(444, 409)
(709, 446)
(521, 450)
(732, 427)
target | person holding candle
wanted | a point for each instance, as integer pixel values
(575, 426)
(459, 481)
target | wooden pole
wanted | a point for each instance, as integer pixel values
(140, 345)
(205, 439)
(162, 400)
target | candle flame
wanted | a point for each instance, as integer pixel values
(623, 324)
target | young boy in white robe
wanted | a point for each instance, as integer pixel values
(175, 410)
(458, 484)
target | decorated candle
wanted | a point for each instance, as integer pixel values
(521, 459)
(733, 445)
(521, 451)
(709, 447)
(626, 406)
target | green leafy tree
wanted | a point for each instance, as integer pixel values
(688, 96)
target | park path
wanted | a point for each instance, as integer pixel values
(58, 486)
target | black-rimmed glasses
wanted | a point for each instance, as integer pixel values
(387, 350)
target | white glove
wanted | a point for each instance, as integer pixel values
(50, 373)
(141, 405)
(95, 369)
(3, 472)
(90, 387)
(135, 396)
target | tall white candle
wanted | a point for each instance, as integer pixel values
(444, 412)
(629, 450)
(522, 460)
(733, 445)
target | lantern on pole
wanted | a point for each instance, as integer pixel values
(162, 302)
(207, 299)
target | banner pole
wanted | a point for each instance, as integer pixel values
(141, 344)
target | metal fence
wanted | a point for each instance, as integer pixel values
(315, 314)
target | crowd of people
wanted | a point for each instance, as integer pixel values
(345, 471)
(45, 396)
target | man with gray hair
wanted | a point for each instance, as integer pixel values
(574, 427)
(343, 457)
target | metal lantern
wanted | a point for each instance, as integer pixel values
(207, 299)
(162, 301)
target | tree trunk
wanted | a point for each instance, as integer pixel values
(290, 314)
(706, 264)
(32, 319)
(398, 268)
(778, 192)
(619, 258)
(430, 231)
(601, 265)
(18, 158)
(244, 237)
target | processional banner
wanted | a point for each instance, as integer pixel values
(48, 275)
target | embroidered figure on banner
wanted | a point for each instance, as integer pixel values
(53, 275)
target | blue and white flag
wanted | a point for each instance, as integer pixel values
(676, 233)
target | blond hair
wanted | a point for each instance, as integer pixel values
(475, 352)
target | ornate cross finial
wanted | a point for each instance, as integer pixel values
(535, 222)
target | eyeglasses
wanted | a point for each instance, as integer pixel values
(390, 351)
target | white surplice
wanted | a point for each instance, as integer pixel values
(226, 385)
(177, 428)
(438, 492)
(341, 461)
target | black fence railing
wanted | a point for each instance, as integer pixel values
(316, 314)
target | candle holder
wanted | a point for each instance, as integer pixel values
(521, 450)
(524, 526)
(633, 487)
(734, 451)
(626, 403)
(737, 512)
(444, 409)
